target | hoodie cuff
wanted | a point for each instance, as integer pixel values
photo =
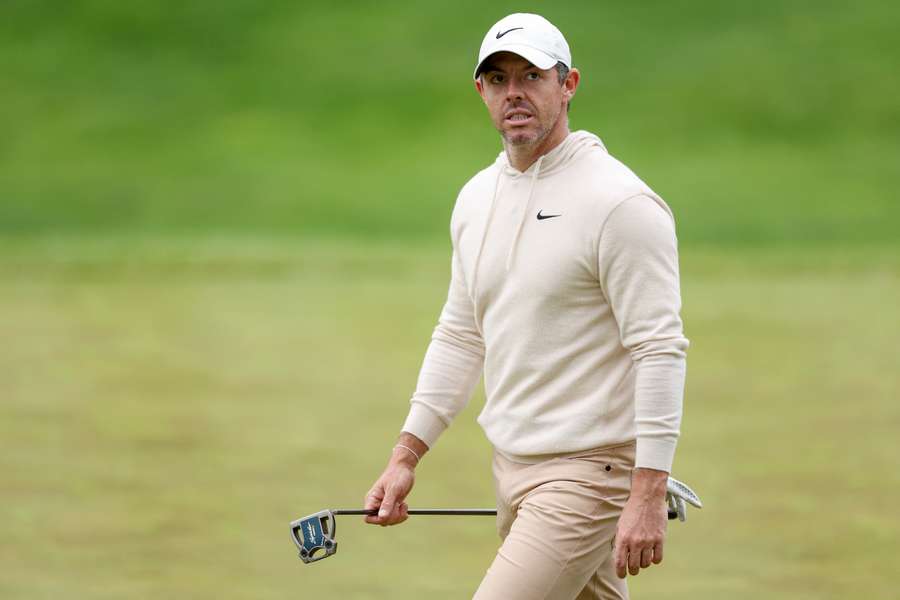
(424, 424)
(654, 453)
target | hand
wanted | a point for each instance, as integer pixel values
(641, 531)
(389, 493)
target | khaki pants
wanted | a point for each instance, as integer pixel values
(557, 520)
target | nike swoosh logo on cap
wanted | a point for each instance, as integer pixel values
(500, 35)
(541, 217)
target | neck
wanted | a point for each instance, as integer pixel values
(523, 156)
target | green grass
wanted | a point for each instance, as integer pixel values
(169, 405)
(772, 122)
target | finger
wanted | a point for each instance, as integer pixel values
(658, 553)
(395, 516)
(646, 556)
(404, 512)
(620, 560)
(373, 500)
(634, 561)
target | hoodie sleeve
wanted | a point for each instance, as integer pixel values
(452, 366)
(638, 266)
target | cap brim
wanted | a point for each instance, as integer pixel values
(540, 59)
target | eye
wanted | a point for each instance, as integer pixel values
(532, 76)
(495, 78)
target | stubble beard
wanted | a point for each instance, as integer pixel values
(533, 139)
(524, 139)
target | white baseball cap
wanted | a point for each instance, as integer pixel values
(532, 37)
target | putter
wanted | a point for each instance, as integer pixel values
(314, 534)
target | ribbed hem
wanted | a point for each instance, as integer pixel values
(424, 424)
(533, 459)
(654, 453)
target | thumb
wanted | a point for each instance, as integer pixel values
(387, 505)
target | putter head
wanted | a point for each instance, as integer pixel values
(314, 536)
(677, 488)
(676, 495)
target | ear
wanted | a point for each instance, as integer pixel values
(570, 85)
(480, 88)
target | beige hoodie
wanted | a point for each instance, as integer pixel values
(565, 292)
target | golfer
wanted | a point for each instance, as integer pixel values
(564, 294)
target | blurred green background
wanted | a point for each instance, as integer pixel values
(223, 246)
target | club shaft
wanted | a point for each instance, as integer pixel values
(424, 511)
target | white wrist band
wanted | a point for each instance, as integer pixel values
(411, 451)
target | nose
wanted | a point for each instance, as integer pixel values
(513, 90)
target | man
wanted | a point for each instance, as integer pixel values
(564, 291)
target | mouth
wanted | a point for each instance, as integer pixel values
(518, 117)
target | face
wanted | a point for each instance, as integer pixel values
(526, 103)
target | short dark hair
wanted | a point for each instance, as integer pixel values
(562, 71)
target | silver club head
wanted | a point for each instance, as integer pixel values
(677, 493)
